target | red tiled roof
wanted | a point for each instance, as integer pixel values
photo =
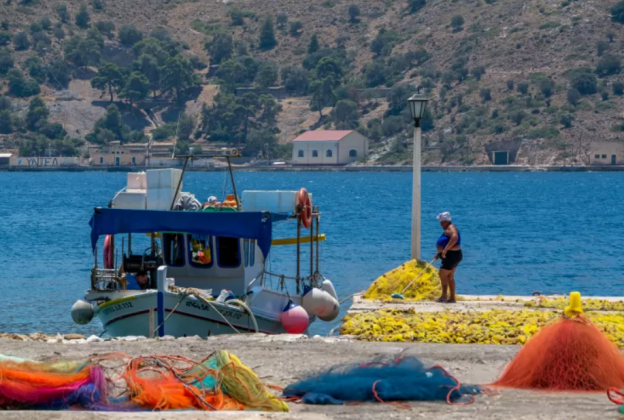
(323, 135)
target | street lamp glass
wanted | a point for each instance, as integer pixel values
(417, 105)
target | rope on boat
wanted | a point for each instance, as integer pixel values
(189, 292)
(247, 309)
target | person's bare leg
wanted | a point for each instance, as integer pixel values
(445, 283)
(451, 284)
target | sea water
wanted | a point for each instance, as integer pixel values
(521, 232)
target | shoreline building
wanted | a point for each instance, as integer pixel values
(329, 147)
(606, 153)
(117, 154)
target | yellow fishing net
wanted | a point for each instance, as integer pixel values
(242, 384)
(495, 326)
(426, 287)
(588, 304)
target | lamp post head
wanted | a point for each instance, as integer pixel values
(417, 104)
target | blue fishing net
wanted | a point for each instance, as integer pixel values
(402, 379)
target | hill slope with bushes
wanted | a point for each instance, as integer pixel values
(540, 76)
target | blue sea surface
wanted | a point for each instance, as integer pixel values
(521, 232)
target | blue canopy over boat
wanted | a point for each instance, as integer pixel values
(248, 225)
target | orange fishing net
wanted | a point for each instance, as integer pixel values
(567, 355)
(156, 384)
(219, 382)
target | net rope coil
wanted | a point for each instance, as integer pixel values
(569, 354)
(382, 380)
(218, 382)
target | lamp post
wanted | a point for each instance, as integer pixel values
(417, 104)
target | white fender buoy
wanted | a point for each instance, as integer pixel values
(320, 303)
(328, 286)
(82, 312)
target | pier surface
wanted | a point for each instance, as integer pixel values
(284, 359)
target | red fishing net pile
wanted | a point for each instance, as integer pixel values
(567, 355)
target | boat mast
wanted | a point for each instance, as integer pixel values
(179, 183)
(233, 183)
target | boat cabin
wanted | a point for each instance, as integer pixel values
(202, 250)
(217, 262)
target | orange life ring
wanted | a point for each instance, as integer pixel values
(306, 208)
(108, 252)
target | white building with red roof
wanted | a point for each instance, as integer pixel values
(329, 147)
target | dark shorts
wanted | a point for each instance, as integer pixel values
(452, 260)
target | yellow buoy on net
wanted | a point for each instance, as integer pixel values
(426, 286)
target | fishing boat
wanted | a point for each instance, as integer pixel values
(206, 263)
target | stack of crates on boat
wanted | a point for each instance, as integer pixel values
(161, 188)
(152, 190)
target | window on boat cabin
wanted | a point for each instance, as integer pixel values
(300, 153)
(228, 252)
(200, 251)
(329, 153)
(173, 248)
(352, 153)
(314, 153)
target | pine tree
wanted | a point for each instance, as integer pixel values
(313, 46)
(83, 17)
(267, 35)
(108, 79)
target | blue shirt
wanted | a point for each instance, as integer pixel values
(132, 283)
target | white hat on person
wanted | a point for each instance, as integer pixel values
(444, 217)
(212, 199)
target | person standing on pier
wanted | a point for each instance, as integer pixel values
(449, 249)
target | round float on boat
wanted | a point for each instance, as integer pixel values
(294, 319)
(328, 287)
(320, 303)
(82, 312)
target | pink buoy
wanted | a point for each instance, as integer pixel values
(294, 319)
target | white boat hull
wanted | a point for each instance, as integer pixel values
(139, 315)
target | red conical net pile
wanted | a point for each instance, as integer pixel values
(567, 355)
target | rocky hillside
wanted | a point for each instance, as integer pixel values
(538, 77)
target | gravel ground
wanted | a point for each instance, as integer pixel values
(281, 360)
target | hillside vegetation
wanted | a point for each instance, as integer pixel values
(541, 76)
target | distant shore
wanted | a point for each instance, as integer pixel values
(484, 168)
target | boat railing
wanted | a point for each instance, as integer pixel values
(314, 280)
(105, 279)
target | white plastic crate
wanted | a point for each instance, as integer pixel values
(163, 178)
(130, 200)
(136, 181)
(160, 198)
